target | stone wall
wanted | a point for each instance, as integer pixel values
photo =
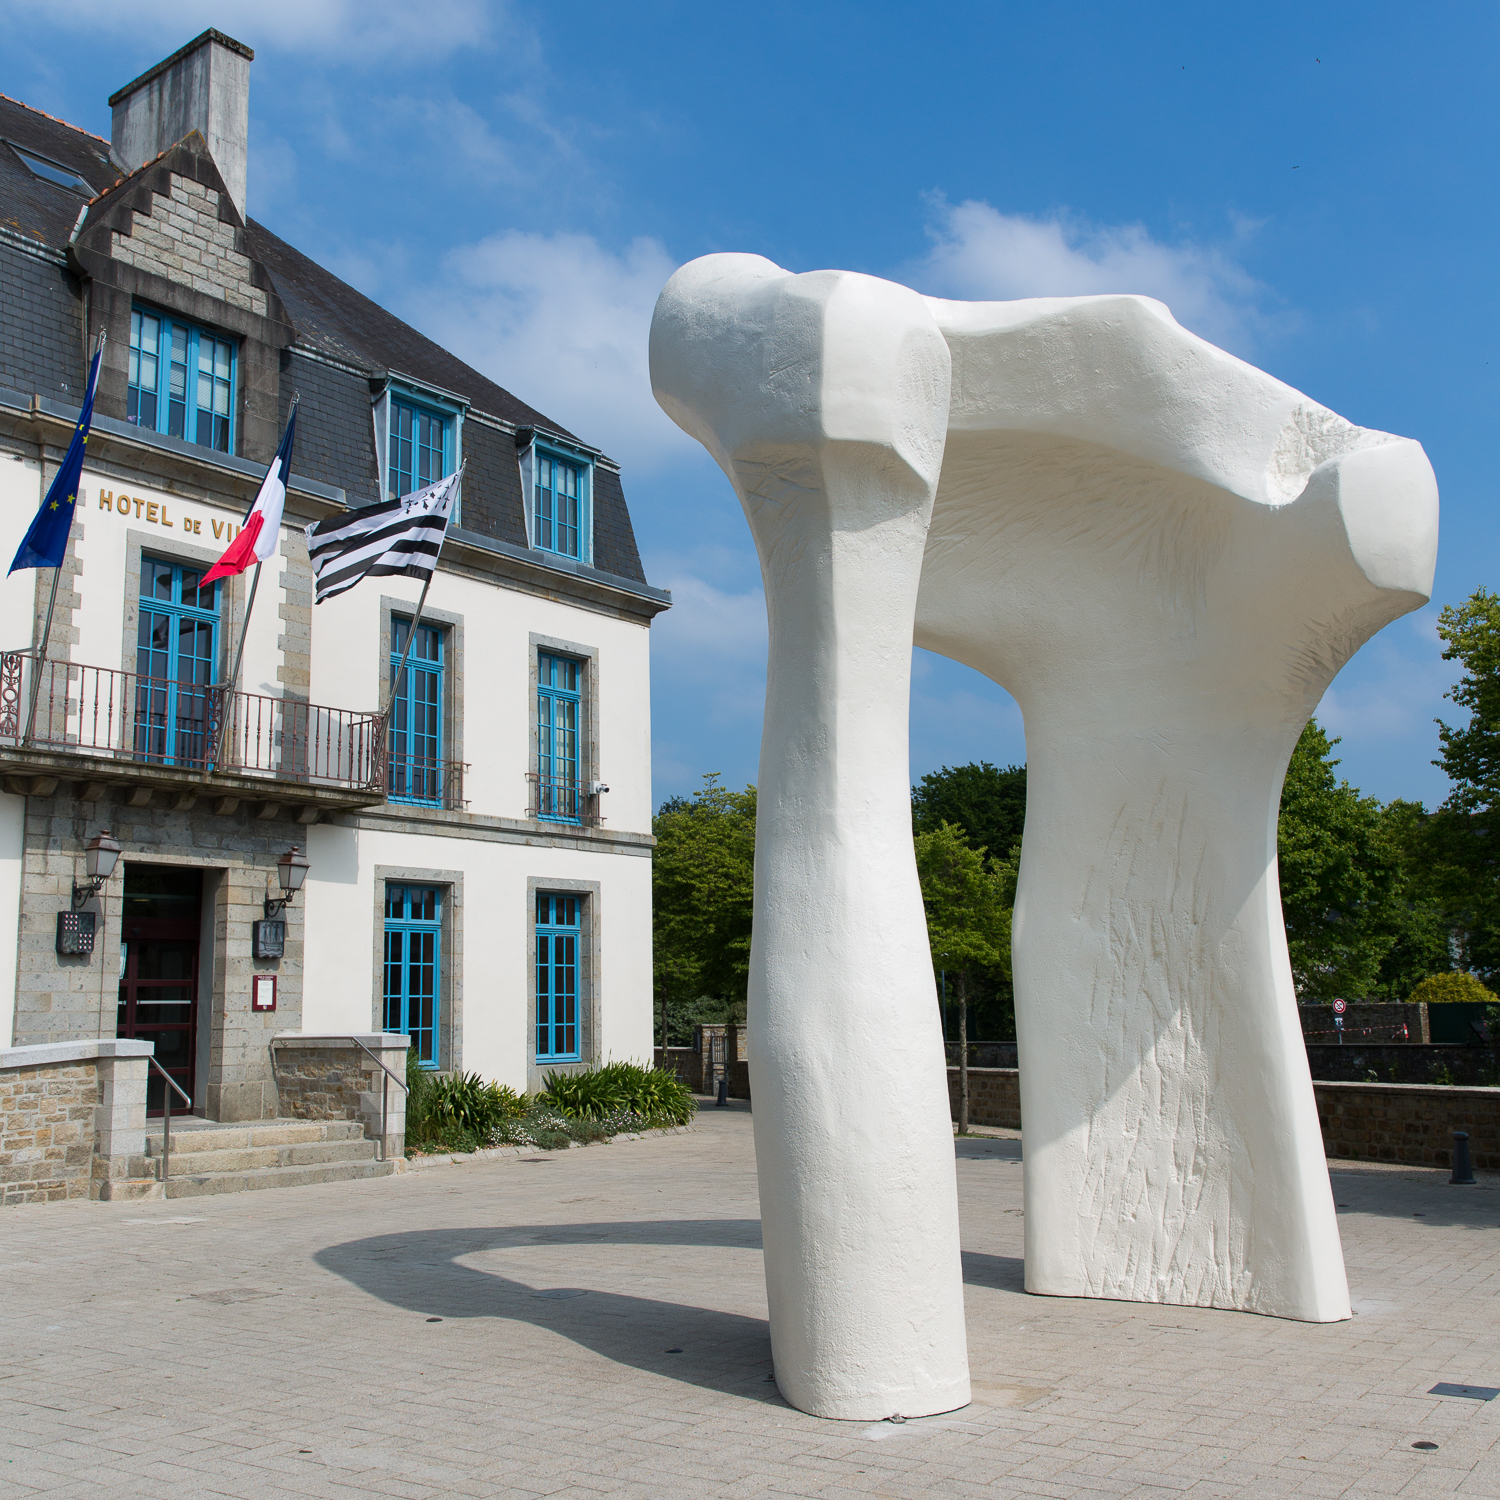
(1403, 1122)
(1366, 1021)
(62, 998)
(994, 1096)
(695, 1065)
(332, 1078)
(1394, 1122)
(47, 1132)
(1404, 1062)
(73, 1122)
(185, 239)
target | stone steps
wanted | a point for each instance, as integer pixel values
(206, 1184)
(308, 1154)
(209, 1159)
(259, 1133)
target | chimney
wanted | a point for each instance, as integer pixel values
(204, 86)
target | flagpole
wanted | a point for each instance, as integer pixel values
(239, 650)
(234, 675)
(41, 656)
(416, 623)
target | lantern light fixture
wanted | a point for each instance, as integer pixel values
(100, 856)
(291, 871)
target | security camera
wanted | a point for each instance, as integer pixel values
(595, 787)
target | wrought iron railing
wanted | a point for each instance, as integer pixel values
(424, 782)
(562, 799)
(64, 706)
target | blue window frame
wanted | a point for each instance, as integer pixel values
(177, 644)
(559, 706)
(181, 380)
(561, 493)
(413, 965)
(559, 933)
(417, 771)
(420, 444)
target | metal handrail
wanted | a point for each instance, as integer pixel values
(385, 1085)
(166, 1119)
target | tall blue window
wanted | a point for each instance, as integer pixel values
(419, 449)
(559, 504)
(417, 772)
(559, 702)
(181, 380)
(177, 641)
(559, 932)
(413, 965)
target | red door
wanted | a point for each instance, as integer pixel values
(159, 976)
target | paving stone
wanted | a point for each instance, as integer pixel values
(145, 1357)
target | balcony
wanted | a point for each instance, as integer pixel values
(105, 728)
(562, 799)
(419, 781)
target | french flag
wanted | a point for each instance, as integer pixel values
(256, 540)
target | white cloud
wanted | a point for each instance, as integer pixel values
(980, 253)
(562, 322)
(344, 30)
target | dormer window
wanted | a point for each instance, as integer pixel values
(559, 492)
(420, 448)
(419, 437)
(181, 380)
(559, 483)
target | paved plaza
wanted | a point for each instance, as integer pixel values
(592, 1322)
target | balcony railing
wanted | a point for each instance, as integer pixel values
(154, 721)
(423, 782)
(562, 799)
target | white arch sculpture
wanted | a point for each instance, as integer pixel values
(1165, 555)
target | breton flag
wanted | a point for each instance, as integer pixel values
(399, 539)
(46, 541)
(256, 542)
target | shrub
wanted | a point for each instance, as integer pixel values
(653, 1096)
(457, 1113)
(464, 1113)
(1444, 989)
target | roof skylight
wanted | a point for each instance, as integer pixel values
(50, 171)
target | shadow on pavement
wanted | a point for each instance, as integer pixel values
(422, 1271)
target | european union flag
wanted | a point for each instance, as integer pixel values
(46, 539)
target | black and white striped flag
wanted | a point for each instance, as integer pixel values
(401, 538)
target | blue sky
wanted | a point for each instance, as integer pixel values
(1312, 187)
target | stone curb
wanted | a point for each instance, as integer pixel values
(521, 1153)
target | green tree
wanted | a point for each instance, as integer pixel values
(988, 804)
(703, 891)
(1340, 877)
(1463, 837)
(968, 924)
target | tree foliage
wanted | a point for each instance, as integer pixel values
(988, 804)
(968, 905)
(1339, 876)
(1463, 836)
(703, 890)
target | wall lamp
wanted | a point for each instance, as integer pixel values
(268, 937)
(76, 927)
(291, 870)
(100, 856)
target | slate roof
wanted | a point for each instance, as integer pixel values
(330, 317)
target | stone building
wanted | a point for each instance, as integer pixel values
(478, 834)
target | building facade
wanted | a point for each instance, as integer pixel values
(478, 833)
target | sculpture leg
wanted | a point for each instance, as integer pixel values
(1172, 1145)
(824, 398)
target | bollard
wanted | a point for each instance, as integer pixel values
(723, 1100)
(1463, 1168)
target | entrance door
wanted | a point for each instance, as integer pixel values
(159, 972)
